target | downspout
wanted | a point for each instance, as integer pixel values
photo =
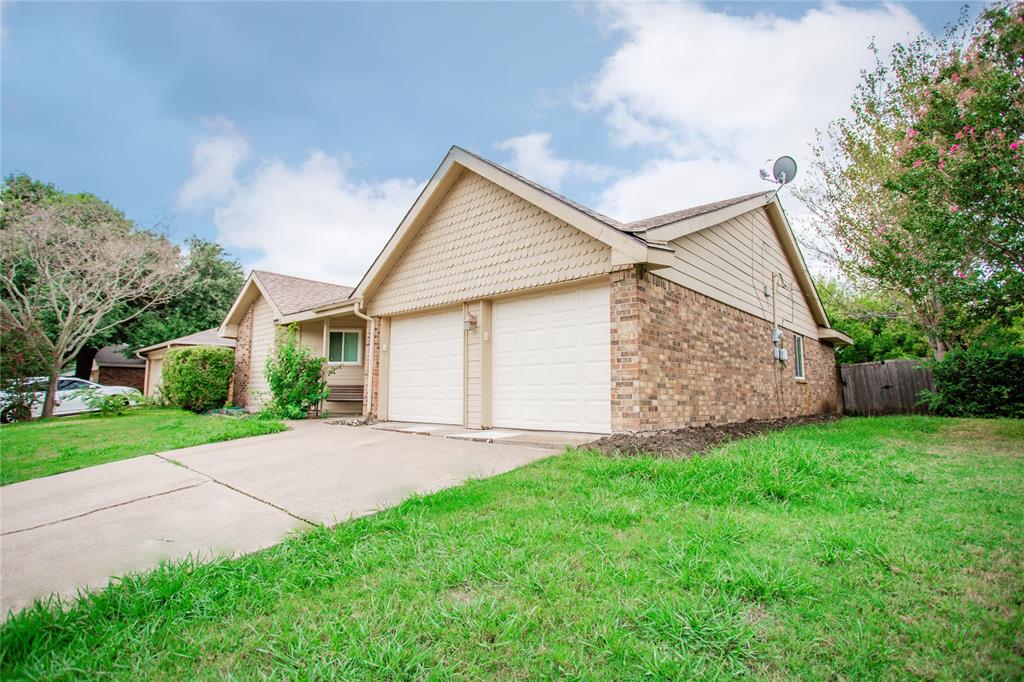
(373, 357)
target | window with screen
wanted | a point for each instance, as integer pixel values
(345, 347)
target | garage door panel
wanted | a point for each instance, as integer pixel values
(551, 361)
(425, 376)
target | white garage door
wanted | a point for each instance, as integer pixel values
(425, 370)
(552, 361)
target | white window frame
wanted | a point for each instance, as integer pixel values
(799, 371)
(359, 346)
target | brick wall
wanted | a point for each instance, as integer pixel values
(682, 359)
(122, 376)
(371, 364)
(243, 355)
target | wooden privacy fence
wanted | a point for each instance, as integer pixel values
(886, 387)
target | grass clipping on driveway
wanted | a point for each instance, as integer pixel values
(51, 446)
(864, 548)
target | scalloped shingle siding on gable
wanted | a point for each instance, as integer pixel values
(482, 240)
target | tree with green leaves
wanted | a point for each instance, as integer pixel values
(66, 266)
(878, 323)
(918, 193)
(211, 282)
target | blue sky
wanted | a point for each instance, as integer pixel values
(297, 134)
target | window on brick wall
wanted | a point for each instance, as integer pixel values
(798, 356)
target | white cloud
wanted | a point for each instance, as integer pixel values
(313, 220)
(215, 160)
(533, 157)
(710, 96)
(664, 185)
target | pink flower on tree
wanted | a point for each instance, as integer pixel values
(917, 164)
(953, 208)
(1014, 146)
(959, 134)
(911, 133)
(942, 165)
(961, 274)
(954, 149)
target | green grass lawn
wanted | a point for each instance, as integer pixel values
(50, 446)
(866, 548)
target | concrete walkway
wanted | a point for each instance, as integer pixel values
(534, 439)
(76, 530)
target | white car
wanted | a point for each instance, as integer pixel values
(71, 392)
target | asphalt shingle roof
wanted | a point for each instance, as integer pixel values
(693, 211)
(295, 294)
(113, 356)
(635, 226)
(208, 337)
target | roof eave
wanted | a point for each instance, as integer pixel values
(228, 329)
(681, 228)
(834, 336)
(321, 312)
(792, 249)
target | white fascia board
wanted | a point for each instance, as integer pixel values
(320, 313)
(686, 226)
(228, 329)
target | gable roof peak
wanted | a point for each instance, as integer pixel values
(292, 294)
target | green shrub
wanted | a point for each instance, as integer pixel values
(108, 405)
(295, 377)
(979, 382)
(197, 378)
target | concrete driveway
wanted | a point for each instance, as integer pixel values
(76, 530)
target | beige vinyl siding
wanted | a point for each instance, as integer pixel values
(154, 376)
(482, 240)
(263, 334)
(734, 261)
(473, 373)
(311, 335)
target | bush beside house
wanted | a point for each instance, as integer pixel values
(198, 378)
(979, 382)
(295, 376)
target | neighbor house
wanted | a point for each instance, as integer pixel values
(153, 356)
(111, 367)
(499, 303)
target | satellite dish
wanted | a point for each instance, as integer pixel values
(784, 170)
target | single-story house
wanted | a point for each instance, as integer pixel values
(153, 356)
(500, 303)
(268, 301)
(111, 367)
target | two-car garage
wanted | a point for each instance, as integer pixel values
(549, 359)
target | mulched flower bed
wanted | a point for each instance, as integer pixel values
(693, 441)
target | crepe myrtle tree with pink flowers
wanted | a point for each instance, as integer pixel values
(920, 191)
